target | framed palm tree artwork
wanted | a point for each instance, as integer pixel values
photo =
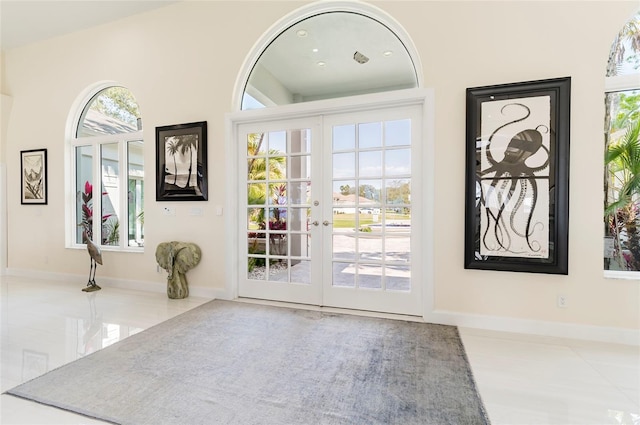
(181, 162)
(33, 167)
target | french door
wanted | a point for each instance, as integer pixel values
(327, 206)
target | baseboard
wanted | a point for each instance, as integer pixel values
(537, 327)
(474, 321)
(109, 282)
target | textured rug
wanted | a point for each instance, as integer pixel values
(237, 363)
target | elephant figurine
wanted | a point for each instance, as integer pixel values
(177, 258)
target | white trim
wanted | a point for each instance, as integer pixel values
(308, 11)
(474, 321)
(611, 335)
(622, 83)
(621, 275)
(3, 216)
(110, 282)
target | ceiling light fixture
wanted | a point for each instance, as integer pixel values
(360, 58)
(301, 33)
(387, 53)
(321, 63)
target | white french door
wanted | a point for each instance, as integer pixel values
(371, 241)
(280, 162)
(326, 206)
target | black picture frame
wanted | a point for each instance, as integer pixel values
(184, 176)
(517, 177)
(33, 177)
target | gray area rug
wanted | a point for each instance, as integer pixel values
(237, 363)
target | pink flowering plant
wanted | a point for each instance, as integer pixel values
(109, 228)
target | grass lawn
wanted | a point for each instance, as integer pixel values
(348, 221)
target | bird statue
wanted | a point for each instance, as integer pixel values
(96, 257)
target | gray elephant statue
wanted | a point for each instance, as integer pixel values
(177, 258)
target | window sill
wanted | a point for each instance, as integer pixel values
(129, 249)
(622, 275)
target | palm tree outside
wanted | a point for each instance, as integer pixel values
(622, 153)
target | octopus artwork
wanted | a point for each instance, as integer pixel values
(513, 178)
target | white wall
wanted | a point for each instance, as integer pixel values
(181, 63)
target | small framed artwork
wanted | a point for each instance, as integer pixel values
(517, 177)
(33, 177)
(181, 162)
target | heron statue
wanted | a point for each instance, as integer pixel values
(96, 258)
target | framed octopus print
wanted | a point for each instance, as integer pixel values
(517, 177)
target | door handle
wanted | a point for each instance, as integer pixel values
(326, 223)
(315, 223)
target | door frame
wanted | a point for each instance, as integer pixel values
(409, 97)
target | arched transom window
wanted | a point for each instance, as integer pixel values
(108, 171)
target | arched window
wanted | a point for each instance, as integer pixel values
(319, 52)
(108, 171)
(622, 153)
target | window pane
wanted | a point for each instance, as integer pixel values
(622, 230)
(135, 207)
(624, 58)
(84, 190)
(110, 193)
(112, 111)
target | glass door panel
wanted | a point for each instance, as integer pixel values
(277, 181)
(370, 210)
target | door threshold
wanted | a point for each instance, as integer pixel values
(325, 309)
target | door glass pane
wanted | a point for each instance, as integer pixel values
(398, 192)
(300, 192)
(372, 210)
(300, 141)
(135, 165)
(344, 165)
(397, 162)
(110, 193)
(397, 278)
(370, 135)
(279, 232)
(369, 276)
(344, 246)
(301, 271)
(84, 190)
(256, 145)
(344, 137)
(344, 274)
(277, 142)
(397, 133)
(370, 164)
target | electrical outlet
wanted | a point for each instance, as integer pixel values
(563, 301)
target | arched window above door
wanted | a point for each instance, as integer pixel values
(325, 52)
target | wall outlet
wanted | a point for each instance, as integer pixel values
(563, 301)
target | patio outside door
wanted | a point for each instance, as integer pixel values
(328, 206)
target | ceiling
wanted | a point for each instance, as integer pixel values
(292, 61)
(23, 22)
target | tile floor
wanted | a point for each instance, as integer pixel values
(522, 379)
